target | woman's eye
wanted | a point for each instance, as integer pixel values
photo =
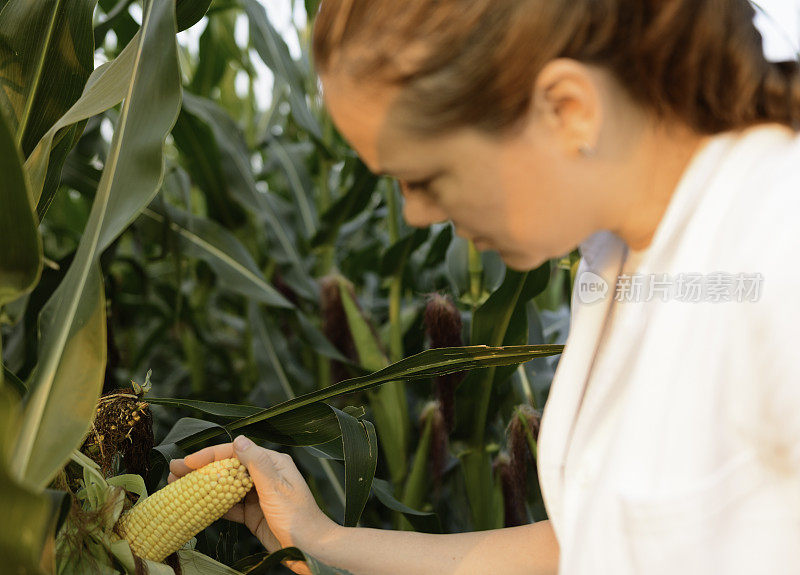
(418, 186)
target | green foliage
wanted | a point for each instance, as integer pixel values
(20, 246)
(46, 49)
(185, 221)
(73, 323)
(24, 531)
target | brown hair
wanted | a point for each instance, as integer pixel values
(473, 62)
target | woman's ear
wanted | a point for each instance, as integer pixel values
(568, 103)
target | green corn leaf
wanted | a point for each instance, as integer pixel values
(123, 558)
(347, 207)
(195, 563)
(370, 354)
(69, 376)
(205, 165)
(316, 339)
(360, 446)
(185, 427)
(329, 450)
(423, 365)
(314, 424)
(27, 515)
(396, 256)
(129, 482)
(20, 244)
(117, 17)
(46, 50)
(232, 263)
(389, 402)
(106, 87)
(13, 382)
(501, 320)
(422, 521)
(418, 483)
(223, 410)
(216, 49)
(266, 338)
(115, 13)
(81, 175)
(234, 171)
(299, 183)
(438, 247)
(264, 564)
(189, 12)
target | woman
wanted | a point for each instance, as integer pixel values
(653, 134)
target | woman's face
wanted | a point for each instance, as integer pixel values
(524, 195)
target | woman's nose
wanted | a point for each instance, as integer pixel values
(420, 211)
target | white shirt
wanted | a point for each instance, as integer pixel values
(670, 442)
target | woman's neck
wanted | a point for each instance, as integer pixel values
(664, 156)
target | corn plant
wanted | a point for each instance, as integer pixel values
(158, 214)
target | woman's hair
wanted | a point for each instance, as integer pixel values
(474, 62)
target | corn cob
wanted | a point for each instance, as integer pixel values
(165, 521)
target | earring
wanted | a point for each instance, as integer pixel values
(586, 151)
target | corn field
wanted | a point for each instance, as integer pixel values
(186, 255)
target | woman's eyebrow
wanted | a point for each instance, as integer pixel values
(410, 174)
(400, 171)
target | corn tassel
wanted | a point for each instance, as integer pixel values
(165, 521)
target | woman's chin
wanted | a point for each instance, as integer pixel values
(519, 261)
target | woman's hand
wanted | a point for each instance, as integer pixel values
(280, 511)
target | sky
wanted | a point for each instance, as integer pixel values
(781, 28)
(779, 25)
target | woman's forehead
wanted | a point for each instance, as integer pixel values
(359, 112)
(371, 118)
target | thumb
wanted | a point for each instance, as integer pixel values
(259, 463)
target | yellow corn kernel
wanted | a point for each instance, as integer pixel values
(165, 521)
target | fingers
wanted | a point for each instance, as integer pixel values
(281, 499)
(177, 468)
(208, 455)
(246, 510)
(269, 469)
(180, 467)
(235, 513)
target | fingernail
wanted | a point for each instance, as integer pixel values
(241, 443)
